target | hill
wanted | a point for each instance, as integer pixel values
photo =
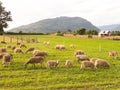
(113, 27)
(55, 24)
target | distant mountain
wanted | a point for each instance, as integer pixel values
(55, 24)
(113, 27)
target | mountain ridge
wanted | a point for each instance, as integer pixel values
(54, 24)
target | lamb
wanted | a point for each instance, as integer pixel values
(7, 58)
(18, 50)
(30, 50)
(3, 42)
(72, 46)
(22, 45)
(79, 52)
(85, 64)
(101, 62)
(41, 54)
(34, 60)
(81, 57)
(3, 50)
(35, 51)
(114, 54)
(52, 63)
(68, 63)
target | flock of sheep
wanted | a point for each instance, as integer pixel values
(39, 56)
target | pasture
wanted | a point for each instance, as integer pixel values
(16, 77)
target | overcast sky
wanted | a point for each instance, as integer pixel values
(99, 12)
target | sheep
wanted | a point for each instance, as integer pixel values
(85, 64)
(57, 47)
(68, 63)
(81, 57)
(35, 51)
(3, 50)
(93, 60)
(7, 58)
(46, 43)
(79, 52)
(3, 42)
(34, 60)
(101, 62)
(13, 47)
(114, 54)
(41, 54)
(30, 50)
(18, 43)
(8, 46)
(18, 50)
(72, 46)
(52, 63)
(22, 45)
(62, 47)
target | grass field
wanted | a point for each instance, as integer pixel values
(16, 77)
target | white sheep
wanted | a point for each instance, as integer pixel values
(81, 58)
(34, 60)
(101, 62)
(18, 50)
(93, 60)
(79, 52)
(72, 46)
(44, 54)
(57, 47)
(7, 58)
(30, 49)
(62, 47)
(114, 54)
(85, 64)
(3, 50)
(68, 63)
(35, 51)
(52, 63)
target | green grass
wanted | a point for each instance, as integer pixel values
(15, 76)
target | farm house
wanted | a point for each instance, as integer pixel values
(104, 33)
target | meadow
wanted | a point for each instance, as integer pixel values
(16, 77)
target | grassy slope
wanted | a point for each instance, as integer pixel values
(16, 77)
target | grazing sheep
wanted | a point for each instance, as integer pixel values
(114, 54)
(22, 45)
(3, 50)
(52, 63)
(81, 58)
(8, 46)
(46, 43)
(3, 42)
(13, 47)
(41, 54)
(30, 50)
(34, 60)
(62, 47)
(72, 46)
(7, 58)
(101, 62)
(18, 50)
(18, 43)
(79, 52)
(57, 47)
(68, 63)
(85, 64)
(35, 51)
(93, 60)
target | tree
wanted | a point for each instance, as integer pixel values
(92, 32)
(5, 16)
(81, 31)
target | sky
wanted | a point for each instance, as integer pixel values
(98, 12)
